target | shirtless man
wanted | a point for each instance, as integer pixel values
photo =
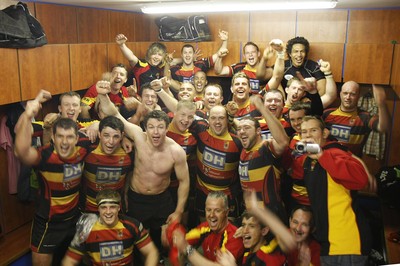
(156, 156)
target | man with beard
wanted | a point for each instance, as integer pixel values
(156, 156)
(118, 94)
(297, 50)
(249, 67)
(259, 164)
(108, 238)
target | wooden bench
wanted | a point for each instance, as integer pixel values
(15, 244)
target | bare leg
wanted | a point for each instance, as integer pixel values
(41, 259)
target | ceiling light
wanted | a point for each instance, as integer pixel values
(232, 6)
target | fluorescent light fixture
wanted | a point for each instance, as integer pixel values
(232, 6)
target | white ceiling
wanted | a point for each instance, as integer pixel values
(135, 5)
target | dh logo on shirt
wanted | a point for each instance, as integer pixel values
(214, 158)
(111, 250)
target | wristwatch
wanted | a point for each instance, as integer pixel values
(189, 250)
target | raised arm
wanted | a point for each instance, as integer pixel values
(279, 67)
(285, 238)
(280, 140)
(120, 39)
(219, 68)
(182, 175)
(330, 90)
(383, 113)
(263, 73)
(161, 87)
(223, 35)
(23, 130)
(108, 108)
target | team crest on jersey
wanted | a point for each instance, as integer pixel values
(186, 141)
(244, 171)
(111, 250)
(226, 145)
(341, 133)
(352, 122)
(214, 159)
(108, 174)
(120, 234)
(121, 160)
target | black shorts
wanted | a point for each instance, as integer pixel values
(47, 236)
(151, 210)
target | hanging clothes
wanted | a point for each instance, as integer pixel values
(6, 142)
(375, 144)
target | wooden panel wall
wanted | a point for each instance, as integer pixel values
(237, 24)
(45, 67)
(395, 75)
(266, 26)
(93, 25)
(368, 63)
(59, 22)
(88, 62)
(331, 52)
(374, 26)
(9, 75)
(322, 26)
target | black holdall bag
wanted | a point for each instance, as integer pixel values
(199, 28)
(173, 29)
(19, 29)
(194, 28)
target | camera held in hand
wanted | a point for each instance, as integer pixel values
(302, 147)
